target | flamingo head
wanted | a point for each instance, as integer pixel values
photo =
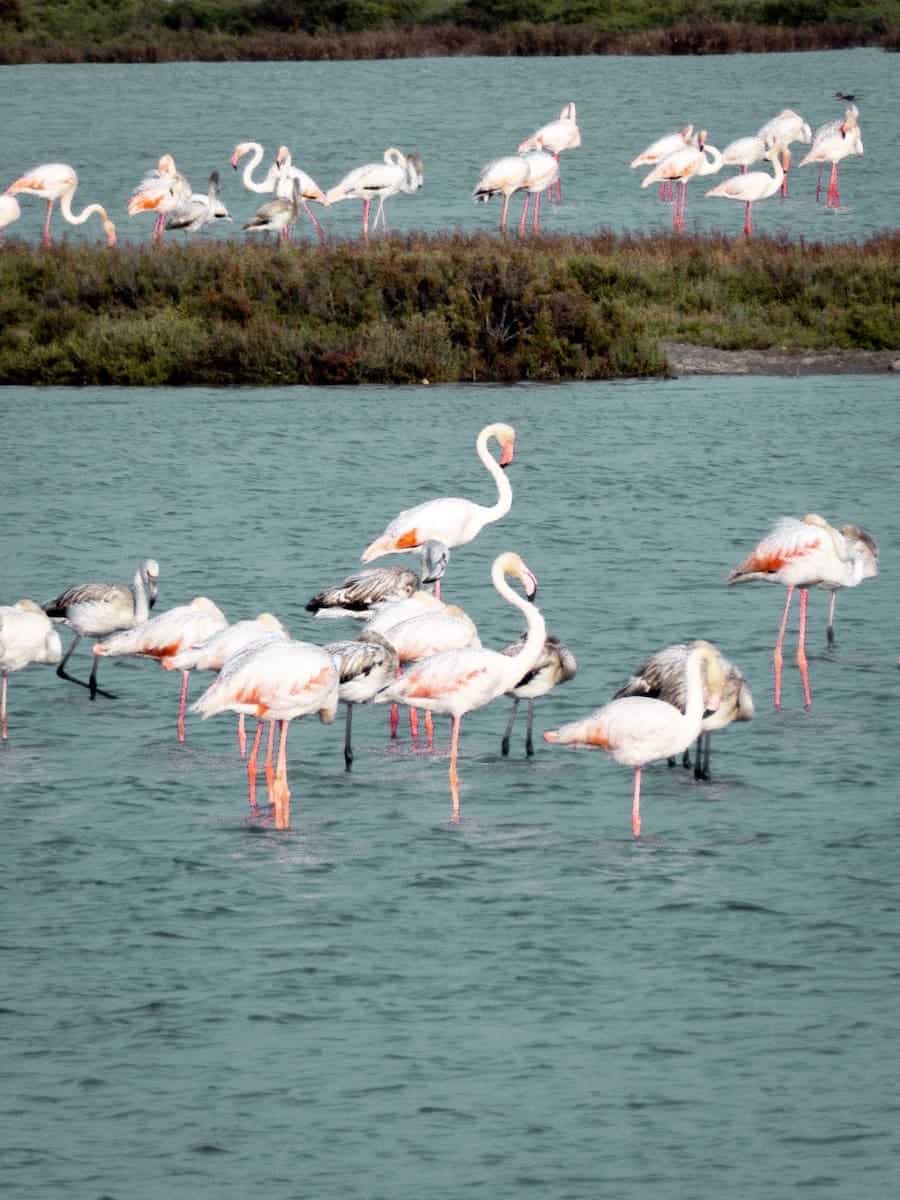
(701, 139)
(687, 132)
(435, 558)
(512, 564)
(506, 436)
(166, 165)
(283, 157)
(238, 153)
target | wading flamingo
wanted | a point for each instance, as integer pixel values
(864, 549)
(161, 191)
(806, 553)
(744, 152)
(681, 167)
(398, 173)
(661, 149)
(26, 636)
(787, 127)
(200, 210)
(636, 730)
(98, 609)
(755, 185)
(165, 636)
(365, 666)
(278, 216)
(362, 593)
(451, 519)
(543, 172)
(459, 681)
(58, 181)
(559, 135)
(501, 177)
(834, 148)
(556, 665)
(279, 178)
(278, 681)
(661, 677)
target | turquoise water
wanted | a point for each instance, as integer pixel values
(379, 1003)
(113, 122)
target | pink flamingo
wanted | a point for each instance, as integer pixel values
(451, 519)
(398, 173)
(501, 177)
(661, 149)
(543, 171)
(278, 681)
(833, 147)
(787, 127)
(756, 185)
(58, 181)
(459, 681)
(681, 167)
(636, 730)
(161, 191)
(165, 636)
(26, 636)
(806, 553)
(559, 135)
(279, 179)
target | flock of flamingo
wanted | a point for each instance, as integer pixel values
(675, 159)
(417, 650)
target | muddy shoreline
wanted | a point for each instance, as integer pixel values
(686, 359)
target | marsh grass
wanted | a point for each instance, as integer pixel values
(443, 308)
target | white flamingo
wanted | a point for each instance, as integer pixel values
(501, 177)
(787, 127)
(864, 550)
(543, 172)
(833, 147)
(161, 191)
(279, 179)
(58, 181)
(559, 135)
(26, 636)
(755, 185)
(681, 167)
(398, 173)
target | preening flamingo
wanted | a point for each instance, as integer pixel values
(363, 592)
(165, 636)
(501, 177)
(9, 210)
(805, 553)
(543, 172)
(460, 681)
(755, 185)
(864, 549)
(364, 666)
(58, 181)
(661, 677)
(744, 152)
(681, 167)
(398, 173)
(833, 148)
(279, 178)
(279, 681)
(559, 135)
(26, 636)
(661, 149)
(556, 665)
(161, 191)
(199, 210)
(636, 730)
(98, 609)
(787, 127)
(278, 216)
(451, 519)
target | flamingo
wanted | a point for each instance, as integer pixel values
(559, 135)
(58, 181)
(277, 681)
(365, 666)
(199, 210)
(543, 172)
(681, 167)
(451, 519)
(214, 652)
(279, 178)
(161, 191)
(364, 592)
(165, 636)
(805, 553)
(834, 147)
(744, 152)
(398, 173)
(501, 177)
(278, 215)
(864, 548)
(9, 210)
(851, 115)
(556, 665)
(459, 681)
(661, 149)
(98, 609)
(26, 636)
(661, 677)
(788, 126)
(756, 185)
(636, 730)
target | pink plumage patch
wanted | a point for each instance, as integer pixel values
(769, 559)
(419, 688)
(408, 540)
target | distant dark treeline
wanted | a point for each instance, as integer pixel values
(450, 308)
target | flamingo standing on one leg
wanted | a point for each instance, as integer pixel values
(681, 167)
(806, 553)
(556, 665)
(501, 177)
(756, 185)
(559, 135)
(833, 148)
(636, 730)
(279, 681)
(165, 636)
(460, 681)
(26, 636)
(161, 191)
(58, 181)
(864, 549)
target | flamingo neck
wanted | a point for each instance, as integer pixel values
(522, 662)
(712, 164)
(778, 177)
(141, 599)
(693, 672)
(65, 207)
(249, 167)
(504, 487)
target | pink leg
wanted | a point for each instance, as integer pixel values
(182, 704)
(454, 775)
(395, 712)
(429, 729)
(312, 216)
(636, 804)
(242, 736)
(47, 238)
(834, 191)
(748, 218)
(524, 216)
(784, 184)
(270, 769)
(504, 209)
(158, 227)
(282, 792)
(4, 725)
(413, 722)
(777, 656)
(801, 648)
(251, 764)
(829, 631)
(536, 224)
(437, 589)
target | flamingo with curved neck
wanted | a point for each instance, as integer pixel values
(279, 178)
(58, 181)
(452, 519)
(753, 186)
(456, 682)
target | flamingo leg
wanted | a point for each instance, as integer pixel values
(270, 770)
(536, 224)
(784, 184)
(437, 589)
(348, 748)
(367, 204)
(92, 681)
(251, 764)
(802, 661)
(529, 730)
(504, 745)
(429, 729)
(777, 656)
(834, 191)
(524, 215)
(558, 184)
(158, 227)
(182, 704)
(282, 791)
(748, 218)
(380, 213)
(4, 724)
(312, 216)
(701, 759)
(395, 712)
(413, 722)
(636, 804)
(47, 239)
(453, 773)
(242, 736)
(504, 209)
(829, 631)
(819, 184)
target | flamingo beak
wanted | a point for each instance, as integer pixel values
(506, 455)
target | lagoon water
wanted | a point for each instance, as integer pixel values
(113, 122)
(377, 1003)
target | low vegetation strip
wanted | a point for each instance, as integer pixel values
(442, 309)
